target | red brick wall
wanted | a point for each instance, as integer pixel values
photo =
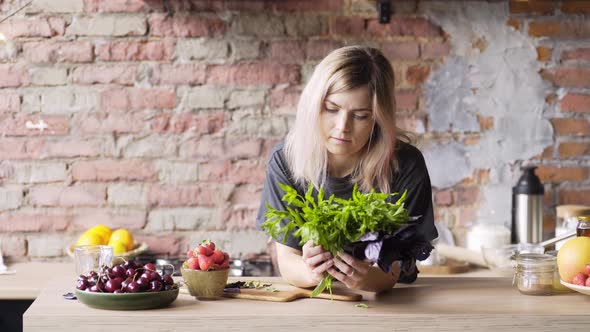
(160, 114)
(561, 29)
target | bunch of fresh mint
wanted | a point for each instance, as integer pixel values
(338, 224)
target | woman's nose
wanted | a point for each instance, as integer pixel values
(342, 121)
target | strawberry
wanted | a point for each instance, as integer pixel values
(214, 266)
(579, 279)
(190, 254)
(209, 244)
(225, 263)
(193, 263)
(588, 282)
(205, 249)
(218, 257)
(205, 262)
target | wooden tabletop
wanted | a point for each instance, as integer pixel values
(30, 278)
(445, 304)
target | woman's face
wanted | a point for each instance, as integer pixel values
(346, 123)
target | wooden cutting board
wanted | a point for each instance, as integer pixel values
(285, 293)
(450, 267)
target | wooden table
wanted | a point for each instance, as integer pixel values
(443, 303)
(30, 278)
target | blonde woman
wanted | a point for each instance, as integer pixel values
(345, 133)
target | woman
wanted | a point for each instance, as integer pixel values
(345, 133)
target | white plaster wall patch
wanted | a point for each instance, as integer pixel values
(500, 80)
(447, 164)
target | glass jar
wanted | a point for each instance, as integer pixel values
(583, 228)
(535, 274)
(567, 220)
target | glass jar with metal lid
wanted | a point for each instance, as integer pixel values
(583, 228)
(535, 274)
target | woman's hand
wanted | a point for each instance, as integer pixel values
(317, 260)
(351, 272)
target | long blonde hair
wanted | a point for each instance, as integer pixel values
(344, 69)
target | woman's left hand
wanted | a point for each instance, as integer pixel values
(351, 272)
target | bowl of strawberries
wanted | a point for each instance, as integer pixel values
(206, 270)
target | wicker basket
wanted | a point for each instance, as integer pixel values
(139, 249)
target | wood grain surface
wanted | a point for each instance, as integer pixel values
(450, 267)
(438, 303)
(283, 292)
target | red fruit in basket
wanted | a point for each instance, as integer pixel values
(217, 257)
(224, 265)
(579, 279)
(205, 262)
(204, 251)
(209, 244)
(190, 253)
(193, 263)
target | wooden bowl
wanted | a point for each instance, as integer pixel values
(205, 285)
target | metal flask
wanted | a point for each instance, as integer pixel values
(527, 208)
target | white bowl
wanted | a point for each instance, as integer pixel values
(501, 258)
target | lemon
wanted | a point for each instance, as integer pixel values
(103, 231)
(118, 247)
(124, 236)
(89, 238)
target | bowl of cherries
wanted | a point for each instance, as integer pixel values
(127, 286)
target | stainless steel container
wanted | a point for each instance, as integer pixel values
(527, 208)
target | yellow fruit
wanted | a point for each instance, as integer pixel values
(118, 247)
(124, 236)
(103, 231)
(89, 238)
(572, 257)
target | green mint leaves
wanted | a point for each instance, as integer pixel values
(333, 223)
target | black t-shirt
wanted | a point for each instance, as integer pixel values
(411, 175)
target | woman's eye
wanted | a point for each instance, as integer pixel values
(331, 110)
(360, 116)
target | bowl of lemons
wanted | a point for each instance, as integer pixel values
(121, 240)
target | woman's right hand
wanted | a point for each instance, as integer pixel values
(317, 260)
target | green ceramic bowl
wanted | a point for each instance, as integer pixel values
(205, 285)
(128, 301)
